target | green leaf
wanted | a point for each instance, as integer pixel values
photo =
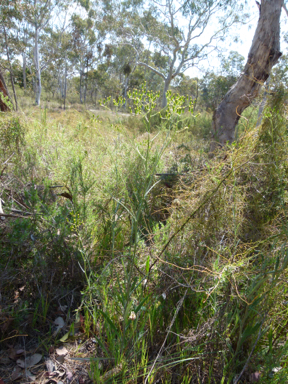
(65, 337)
(110, 322)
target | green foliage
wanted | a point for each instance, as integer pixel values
(12, 135)
(181, 261)
(5, 100)
(268, 189)
(214, 88)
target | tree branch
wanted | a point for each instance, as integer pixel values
(152, 69)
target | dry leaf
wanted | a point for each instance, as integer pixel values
(30, 376)
(61, 351)
(12, 354)
(20, 363)
(33, 360)
(16, 297)
(49, 365)
(61, 374)
(69, 376)
(30, 361)
(60, 359)
(67, 195)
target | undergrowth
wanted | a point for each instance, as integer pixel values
(177, 262)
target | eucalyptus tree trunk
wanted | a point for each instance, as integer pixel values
(38, 84)
(262, 105)
(166, 87)
(24, 71)
(65, 85)
(264, 54)
(24, 67)
(10, 69)
(126, 83)
(4, 107)
(81, 80)
(85, 85)
(167, 79)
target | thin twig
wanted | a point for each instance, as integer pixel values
(15, 216)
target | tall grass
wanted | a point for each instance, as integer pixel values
(181, 260)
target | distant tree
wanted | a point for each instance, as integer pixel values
(97, 78)
(214, 86)
(87, 47)
(280, 72)
(9, 12)
(38, 14)
(213, 89)
(23, 42)
(188, 87)
(57, 53)
(175, 31)
(233, 65)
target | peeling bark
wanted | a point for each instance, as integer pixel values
(264, 54)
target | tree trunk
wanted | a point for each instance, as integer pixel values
(264, 54)
(166, 86)
(126, 83)
(4, 107)
(65, 85)
(10, 69)
(85, 85)
(38, 85)
(81, 76)
(24, 71)
(263, 103)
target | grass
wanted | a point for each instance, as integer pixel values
(179, 280)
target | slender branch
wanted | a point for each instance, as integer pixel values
(152, 69)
